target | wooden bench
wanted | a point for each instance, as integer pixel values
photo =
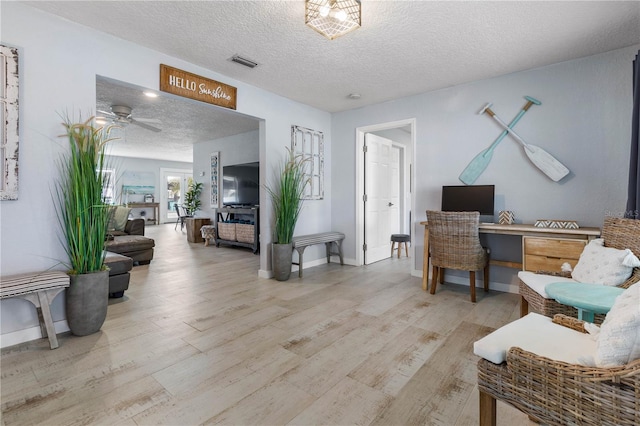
(40, 289)
(328, 238)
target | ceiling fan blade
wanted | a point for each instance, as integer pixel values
(145, 126)
(110, 114)
(148, 120)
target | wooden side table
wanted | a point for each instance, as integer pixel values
(588, 299)
(193, 228)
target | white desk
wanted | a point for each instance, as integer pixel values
(514, 229)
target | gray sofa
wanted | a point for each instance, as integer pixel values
(131, 242)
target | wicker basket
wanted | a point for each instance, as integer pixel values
(245, 233)
(227, 231)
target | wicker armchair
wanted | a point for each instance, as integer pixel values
(455, 244)
(617, 233)
(559, 393)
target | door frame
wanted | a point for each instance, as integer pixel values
(360, 181)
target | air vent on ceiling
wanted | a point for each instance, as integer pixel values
(244, 61)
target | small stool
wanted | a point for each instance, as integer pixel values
(208, 232)
(400, 239)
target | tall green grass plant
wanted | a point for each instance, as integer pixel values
(286, 196)
(81, 210)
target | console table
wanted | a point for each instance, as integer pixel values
(231, 229)
(154, 206)
(584, 234)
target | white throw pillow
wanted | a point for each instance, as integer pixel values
(604, 265)
(618, 342)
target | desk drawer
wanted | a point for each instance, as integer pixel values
(548, 254)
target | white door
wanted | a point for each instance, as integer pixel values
(395, 224)
(174, 184)
(377, 203)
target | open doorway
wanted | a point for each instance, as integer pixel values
(384, 180)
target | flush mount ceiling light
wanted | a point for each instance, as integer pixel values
(332, 18)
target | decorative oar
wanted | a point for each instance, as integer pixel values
(482, 160)
(538, 156)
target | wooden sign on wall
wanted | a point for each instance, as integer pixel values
(192, 86)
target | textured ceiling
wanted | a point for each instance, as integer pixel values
(182, 122)
(403, 47)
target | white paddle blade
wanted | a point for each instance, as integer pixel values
(549, 165)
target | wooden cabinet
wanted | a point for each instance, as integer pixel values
(238, 226)
(548, 254)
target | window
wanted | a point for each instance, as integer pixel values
(108, 185)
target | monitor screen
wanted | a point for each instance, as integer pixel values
(468, 198)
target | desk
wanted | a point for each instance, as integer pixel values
(513, 229)
(588, 299)
(154, 206)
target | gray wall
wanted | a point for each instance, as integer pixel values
(584, 120)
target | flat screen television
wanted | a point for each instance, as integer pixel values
(241, 184)
(468, 198)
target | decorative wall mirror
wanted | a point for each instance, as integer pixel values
(9, 116)
(310, 144)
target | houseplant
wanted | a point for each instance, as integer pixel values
(192, 198)
(83, 216)
(286, 196)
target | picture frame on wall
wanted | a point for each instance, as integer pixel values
(215, 180)
(9, 111)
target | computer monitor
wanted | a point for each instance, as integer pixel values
(468, 198)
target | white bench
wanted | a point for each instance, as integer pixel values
(328, 238)
(40, 289)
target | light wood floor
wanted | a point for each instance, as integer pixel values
(200, 339)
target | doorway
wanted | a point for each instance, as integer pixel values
(174, 183)
(384, 188)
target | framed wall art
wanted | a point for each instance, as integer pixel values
(9, 110)
(215, 180)
(310, 144)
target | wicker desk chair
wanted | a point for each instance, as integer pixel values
(617, 233)
(454, 242)
(557, 393)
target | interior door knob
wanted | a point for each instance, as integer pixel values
(390, 204)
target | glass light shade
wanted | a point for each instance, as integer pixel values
(332, 18)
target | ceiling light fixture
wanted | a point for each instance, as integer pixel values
(333, 18)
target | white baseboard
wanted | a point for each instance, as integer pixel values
(504, 287)
(262, 273)
(28, 334)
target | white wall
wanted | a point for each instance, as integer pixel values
(125, 165)
(59, 61)
(237, 149)
(584, 120)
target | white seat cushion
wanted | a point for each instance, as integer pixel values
(537, 334)
(537, 282)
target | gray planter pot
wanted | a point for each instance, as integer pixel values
(281, 261)
(87, 299)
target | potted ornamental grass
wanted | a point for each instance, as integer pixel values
(287, 198)
(83, 216)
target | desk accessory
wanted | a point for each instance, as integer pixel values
(561, 224)
(481, 161)
(550, 166)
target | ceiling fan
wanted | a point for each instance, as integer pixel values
(121, 115)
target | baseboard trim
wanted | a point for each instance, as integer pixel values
(503, 287)
(28, 334)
